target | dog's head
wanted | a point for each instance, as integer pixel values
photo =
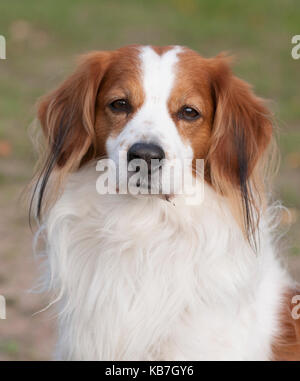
(157, 103)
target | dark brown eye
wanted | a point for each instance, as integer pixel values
(120, 105)
(188, 113)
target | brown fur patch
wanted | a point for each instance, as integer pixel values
(192, 88)
(122, 81)
(160, 50)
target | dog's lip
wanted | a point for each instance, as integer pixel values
(164, 197)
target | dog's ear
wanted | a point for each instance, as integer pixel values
(242, 130)
(242, 127)
(67, 114)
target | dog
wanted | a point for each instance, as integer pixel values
(153, 277)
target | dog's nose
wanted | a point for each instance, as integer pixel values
(145, 151)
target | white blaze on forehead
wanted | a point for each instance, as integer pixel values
(158, 74)
(153, 123)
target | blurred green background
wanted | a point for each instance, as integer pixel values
(44, 37)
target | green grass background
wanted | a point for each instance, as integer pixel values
(44, 36)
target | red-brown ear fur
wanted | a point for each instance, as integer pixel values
(67, 116)
(242, 130)
(241, 122)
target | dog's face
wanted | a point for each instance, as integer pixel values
(152, 105)
(157, 103)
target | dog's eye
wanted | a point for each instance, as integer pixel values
(188, 113)
(120, 105)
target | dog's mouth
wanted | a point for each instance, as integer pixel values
(148, 186)
(146, 181)
(143, 180)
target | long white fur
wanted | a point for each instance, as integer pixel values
(146, 279)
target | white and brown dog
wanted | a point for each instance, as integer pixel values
(141, 278)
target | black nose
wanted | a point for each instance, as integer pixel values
(145, 151)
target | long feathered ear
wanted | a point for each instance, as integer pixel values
(67, 116)
(242, 130)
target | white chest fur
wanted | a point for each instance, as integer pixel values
(144, 279)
